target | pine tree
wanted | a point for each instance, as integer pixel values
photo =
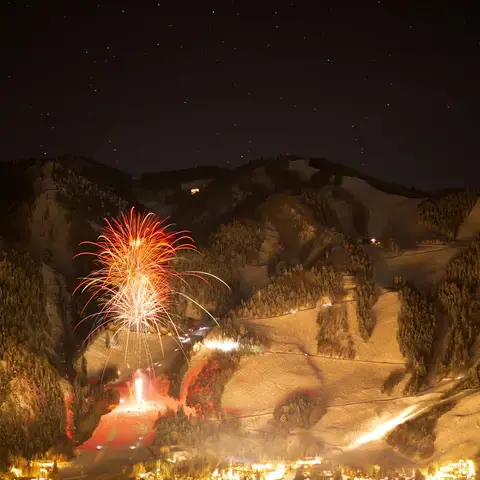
(84, 368)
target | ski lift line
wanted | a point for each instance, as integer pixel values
(316, 355)
(278, 316)
(432, 248)
(363, 402)
(412, 254)
(331, 445)
(339, 405)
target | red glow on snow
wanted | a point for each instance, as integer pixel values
(131, 426)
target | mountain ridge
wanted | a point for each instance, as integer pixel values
(287, 234)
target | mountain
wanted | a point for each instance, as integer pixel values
(47, 208)
(356, 298)
(401, 334)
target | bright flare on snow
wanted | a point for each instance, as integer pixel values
(386, 427)
(225, 345)
(139, 391)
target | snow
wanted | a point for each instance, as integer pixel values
(262, 382)
(302, 167)
(343, 211)
(293, 332)
(458, 431)
(386, 212)
(351, 389)
(382, 346)
(161, 353)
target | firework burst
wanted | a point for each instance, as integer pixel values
(136, 258)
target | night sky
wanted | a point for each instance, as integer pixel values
(388, 87)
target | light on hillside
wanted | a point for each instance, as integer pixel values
(16, 471)
(381, 430)
(139, 391)
(225, 345)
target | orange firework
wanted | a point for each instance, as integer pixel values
(133, 283)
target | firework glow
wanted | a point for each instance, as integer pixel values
(139, 391)
(225, 345)
(136, 258)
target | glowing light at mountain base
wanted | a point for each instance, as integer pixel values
(139, 391)
(224, 345)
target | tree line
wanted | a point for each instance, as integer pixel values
(416, 334)
(32, 413)
(294, 289)
(445, 215)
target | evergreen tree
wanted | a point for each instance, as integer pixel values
(84, 368)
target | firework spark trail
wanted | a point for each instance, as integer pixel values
(136, 259)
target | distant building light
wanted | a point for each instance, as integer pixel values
(373, 240)
(193, 191)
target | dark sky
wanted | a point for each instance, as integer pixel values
(389, 87)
